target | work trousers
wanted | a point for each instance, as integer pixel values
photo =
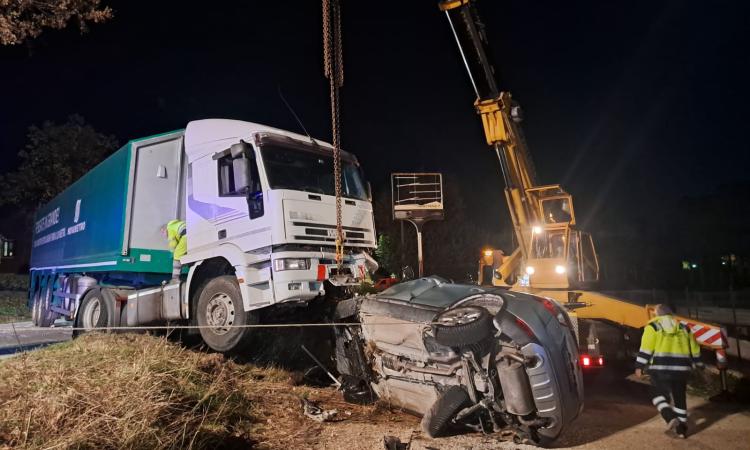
(176, 268)
(666, 386)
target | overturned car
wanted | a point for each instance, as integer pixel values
(460, 355)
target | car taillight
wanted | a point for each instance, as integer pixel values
(550, 306)
(525, 327)
(589, 361)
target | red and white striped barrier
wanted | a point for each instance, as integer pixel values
(707, 335)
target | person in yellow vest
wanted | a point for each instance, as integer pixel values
(669, 352)
(175, 232)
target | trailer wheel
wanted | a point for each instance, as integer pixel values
(463, 326)
(220, 306)
(35, 308)
(95, 311)
(445, 408)
(41, 315)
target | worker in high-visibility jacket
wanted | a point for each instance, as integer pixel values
(668, 352)
(175, 232)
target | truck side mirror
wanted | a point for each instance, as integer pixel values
(369, 192)
(241, 166)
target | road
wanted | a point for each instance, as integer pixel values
(618, 415)
(21, 336)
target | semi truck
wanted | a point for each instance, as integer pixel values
(260, 212)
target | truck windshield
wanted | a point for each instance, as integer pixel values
(300, 170)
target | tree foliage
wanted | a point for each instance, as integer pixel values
(24, 19)
(53, 157)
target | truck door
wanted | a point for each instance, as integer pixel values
(155, 198)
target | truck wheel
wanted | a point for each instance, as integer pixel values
(220, 306)
(95, 312)
(41, 314)
(445, 408)
(463, 326)
(35, 308)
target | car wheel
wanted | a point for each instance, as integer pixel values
(95, 311)
(451, 402)
(463, 326)
(220, 309)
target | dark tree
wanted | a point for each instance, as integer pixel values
(24, 19)
(53, 157)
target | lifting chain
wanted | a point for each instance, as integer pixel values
(333, 63)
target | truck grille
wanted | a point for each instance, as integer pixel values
(319, 232)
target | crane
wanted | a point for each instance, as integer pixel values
(554, 258)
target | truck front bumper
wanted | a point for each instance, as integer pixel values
(301, 285)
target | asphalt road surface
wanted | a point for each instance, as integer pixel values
(20, 336)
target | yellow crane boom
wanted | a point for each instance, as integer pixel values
(554, 258)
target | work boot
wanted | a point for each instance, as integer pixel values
(681, 430)
(673, 424)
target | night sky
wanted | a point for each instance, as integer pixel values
(631, 106)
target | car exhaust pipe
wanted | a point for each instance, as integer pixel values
(516, 389)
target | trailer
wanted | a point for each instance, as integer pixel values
(259, 207)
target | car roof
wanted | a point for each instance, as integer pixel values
(431, 291)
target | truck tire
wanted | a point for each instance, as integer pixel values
(96, 311)
(41, 314)
(35, 308)
(463, 326)
(445, 408)
(220, 304)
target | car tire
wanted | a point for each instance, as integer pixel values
(220, 303)
(463, 326)
(96, 311)
(451, 402)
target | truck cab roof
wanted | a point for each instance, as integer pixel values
(201, 132)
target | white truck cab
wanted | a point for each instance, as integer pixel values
(263, 199)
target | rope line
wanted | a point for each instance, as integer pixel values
(198, 327)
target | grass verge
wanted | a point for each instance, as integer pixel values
(13, 306)
(142, 392)
(122, 391)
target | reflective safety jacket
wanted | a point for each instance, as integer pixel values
(668, 345)
(176, 231)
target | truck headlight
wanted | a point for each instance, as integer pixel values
(291, 264)
(530, 270)
(560, 269)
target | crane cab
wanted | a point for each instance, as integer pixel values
(557, 254)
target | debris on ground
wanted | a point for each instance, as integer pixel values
(394, 443)
(316, 413)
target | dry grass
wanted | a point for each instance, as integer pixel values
(143, 392)
(13, 306)
(121, 391)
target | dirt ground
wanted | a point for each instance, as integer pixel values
(618, 415)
